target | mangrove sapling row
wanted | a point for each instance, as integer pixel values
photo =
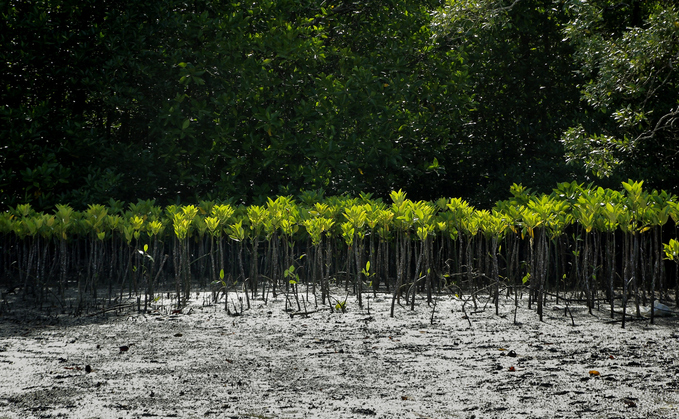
(578, 243)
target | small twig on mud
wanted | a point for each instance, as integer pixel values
(433, 311)
(412, 285)
(287, 302)
(573, 300)
(465, 314)
(568, 310)
(629, 318)
(302, 313)
(160, 269)
(236, 313)
(106, 310)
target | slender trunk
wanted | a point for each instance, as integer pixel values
(242, 272)
(63, 259)
(656, 269)
(387, 265)
(358, 250)
(496, 274)
(586, 278)
(274, 263)
(596, 279)
(254, 272)
(541, 267)
(373, 264)
(400, 250)
(635, 271)
(186, 271)
(531, 272)
(416, 277)
(429, 269)
(610, 256)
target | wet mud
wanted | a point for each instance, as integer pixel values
(442, 362)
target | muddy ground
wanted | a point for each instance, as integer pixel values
(265, 363)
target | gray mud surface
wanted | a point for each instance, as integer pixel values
(266, 363)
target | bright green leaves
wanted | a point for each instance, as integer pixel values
(348, 231)
(530, 221)
(63, 216)
(315, 227)
(212, 224)
(424, 214)
(494, 224)
(237, 232)
(223, 213)
(282, 214)
(290, 273)
(181, 226)
(586, 210)
(220, 215)
(672, 250)
(351, 220)
(95, 217)
(341, 306)
(136, 222)
(155, 228)
(356, 216)
(257, 216)
(182, 220)
(398, 197)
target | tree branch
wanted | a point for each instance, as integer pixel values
(666, 121)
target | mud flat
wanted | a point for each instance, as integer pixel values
(266, 363)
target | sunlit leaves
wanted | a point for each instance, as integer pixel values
(213, 227)
(315, 227)
(671, 250)
(311, 237)
(599, 154)
(627, 55)
(236, 231)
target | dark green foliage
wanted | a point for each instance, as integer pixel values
(627, 54)
(523, 90)
(176, 100)
(180, 101)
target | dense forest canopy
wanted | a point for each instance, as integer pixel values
(205, 99)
